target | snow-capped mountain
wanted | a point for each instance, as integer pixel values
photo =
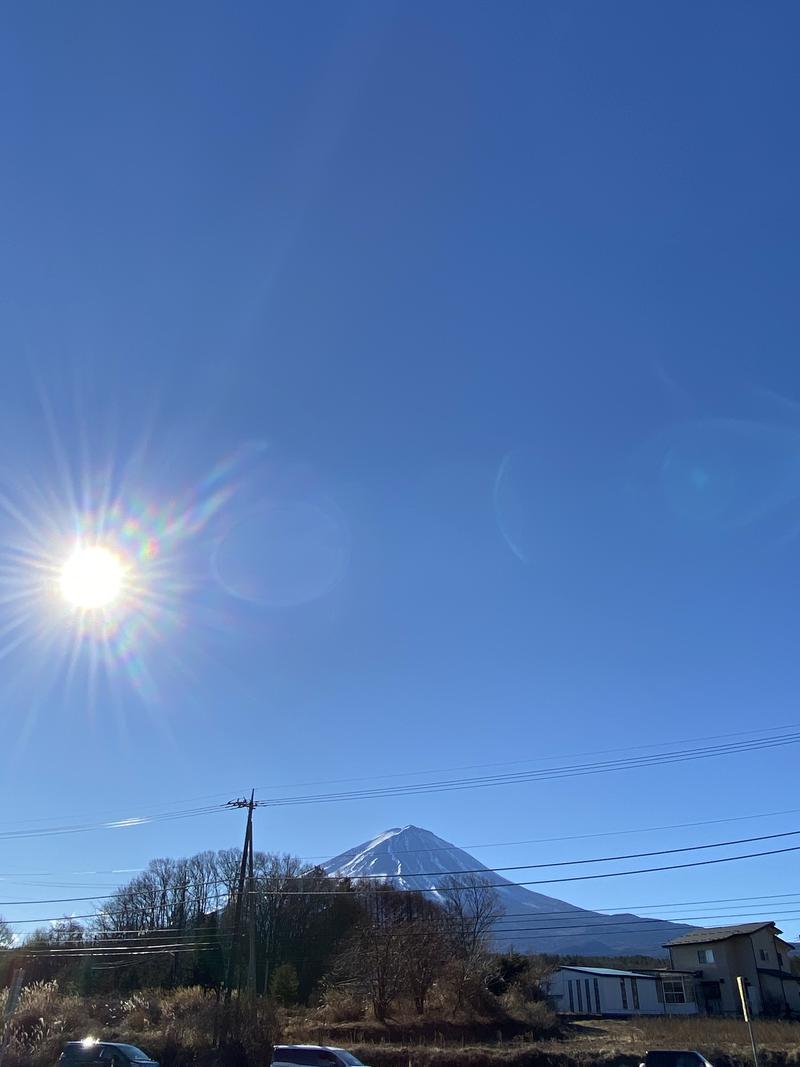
(413, 858)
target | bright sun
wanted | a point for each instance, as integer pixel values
(91, 577)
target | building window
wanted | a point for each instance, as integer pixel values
(635, 991)
(763, 954)
(588, 996)
(674, 993)
(705, 955)
(571, 997)
(596, 997)
(780, 960)
(580, 994)
(624, 992)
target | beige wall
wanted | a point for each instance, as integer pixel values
(722, 970)
(743, 956)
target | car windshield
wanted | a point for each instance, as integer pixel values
(349, 1059)
(132, 1052)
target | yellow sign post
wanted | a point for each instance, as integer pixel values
(740, 982)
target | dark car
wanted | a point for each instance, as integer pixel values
(313, 1056)
(674, 1058)
(103, 1054)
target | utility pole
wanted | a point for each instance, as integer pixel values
(251, 923)
(233, 960)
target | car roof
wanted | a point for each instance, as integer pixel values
(95, 1044)
(327, 1048)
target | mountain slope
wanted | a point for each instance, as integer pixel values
(413, 858)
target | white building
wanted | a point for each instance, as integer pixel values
(604, 991)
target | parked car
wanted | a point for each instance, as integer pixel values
(313, 1056)
(103, 1054)
(674, 1058)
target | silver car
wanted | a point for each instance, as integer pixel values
(313, 1056)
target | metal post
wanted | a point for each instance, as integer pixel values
(743, 997)
(11, 1004)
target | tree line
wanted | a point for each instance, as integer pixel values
(305, 935)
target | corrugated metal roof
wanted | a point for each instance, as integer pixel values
(718, 933)
(607, 972)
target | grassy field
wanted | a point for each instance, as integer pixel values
(178, 1029)
(606, 1043)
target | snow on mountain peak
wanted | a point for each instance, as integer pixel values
(417, 857)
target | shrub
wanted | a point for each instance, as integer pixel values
(284, 985)
(543, 1022)
(341, 1006)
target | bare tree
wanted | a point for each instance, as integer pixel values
(472, 908)
(424, 947)
(372, 958)
(6, 935)
(68, 932)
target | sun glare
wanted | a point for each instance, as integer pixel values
(91, 577)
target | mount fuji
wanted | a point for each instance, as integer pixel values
(413, 858)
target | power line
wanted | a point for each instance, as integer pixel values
(78, 954)
(512, 763)
(164, 948)
(205, 884)
(550, 881)
(584, 837)
(596, 859)
(598, 909)
(622, 924)
(583, 920)
(548, 774)
(263, 891)
(117, 824)
(765, 741)
(586, 917)
(13, 876)
(430, 770)
(158, 937)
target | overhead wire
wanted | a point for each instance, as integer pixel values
(584, 837)
(764, 741)
(597, 859)
(546, 774)
(552, 881)
(14, 877)
(116, 824)
(159, 935)
(486, 871)
(597, 909)
(536, 759)
(777, 730)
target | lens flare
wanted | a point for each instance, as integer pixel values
(92, 577)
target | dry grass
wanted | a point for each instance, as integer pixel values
(720, 1040)
(176, 1027)
(602, 1043)
(334, 1025)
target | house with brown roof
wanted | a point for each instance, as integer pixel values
(754, 951)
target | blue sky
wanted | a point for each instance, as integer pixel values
(461, 340)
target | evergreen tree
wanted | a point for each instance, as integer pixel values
(284, 985)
